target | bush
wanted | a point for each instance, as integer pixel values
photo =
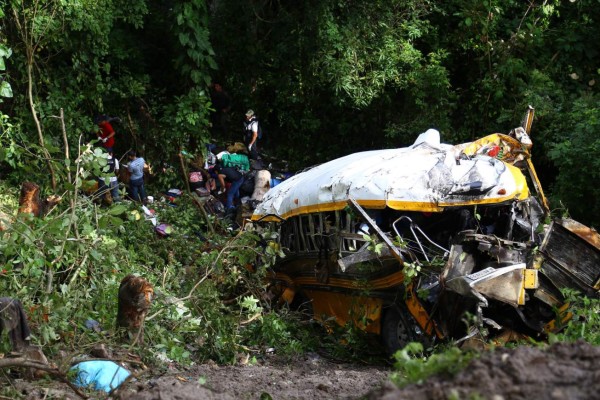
(414, 367)
(585, 322)
(579, 146)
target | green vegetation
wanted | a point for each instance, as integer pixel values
(66, 269)
(326, 78)
(311, 70)
(585, 322)
(412, 366)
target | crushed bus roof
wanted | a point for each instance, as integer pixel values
(427, 176)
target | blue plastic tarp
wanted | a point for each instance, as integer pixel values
(99, 375)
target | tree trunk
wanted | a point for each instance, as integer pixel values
(37, 121)
(66, 142)
(29, 200)
(135, 297)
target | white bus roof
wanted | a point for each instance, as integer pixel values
(423, 177)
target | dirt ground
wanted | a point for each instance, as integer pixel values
(561, 371)
(308, 377)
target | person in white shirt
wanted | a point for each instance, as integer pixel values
(112, 173)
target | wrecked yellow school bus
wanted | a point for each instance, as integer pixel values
(408, 242)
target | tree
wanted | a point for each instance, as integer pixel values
(351, 73)
(92, 58)
(32, 21)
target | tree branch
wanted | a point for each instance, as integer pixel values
(22, 362)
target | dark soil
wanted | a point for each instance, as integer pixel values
(560, 371)
(310, 377)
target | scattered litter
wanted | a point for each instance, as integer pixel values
(174, 192)
(148, 212)
(275, 181)
(150, 215)
(100, 375)
(164, 229)
(93, 325)
(202, 192)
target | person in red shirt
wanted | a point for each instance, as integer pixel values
(106, 134)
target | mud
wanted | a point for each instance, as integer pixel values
(561, 371)
(310, 377)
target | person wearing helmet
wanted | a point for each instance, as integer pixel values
(251, 134)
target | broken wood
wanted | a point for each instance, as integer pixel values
(25, 362)
(29, 200)
(200, 204)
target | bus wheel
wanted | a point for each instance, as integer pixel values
(397, 330)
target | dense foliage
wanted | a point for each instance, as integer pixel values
(66, 269)
(333, 77)
(338, 76)
(325, 77)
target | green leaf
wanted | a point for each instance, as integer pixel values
(95, 255)
(117, 209)
(5, 51)
(249, 302)
(116, 221)
(5, 89)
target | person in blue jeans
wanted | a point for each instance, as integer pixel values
(136, 180)
(234, 177)
(113, 171)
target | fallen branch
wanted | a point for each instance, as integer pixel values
(254, 317)
(22, 362)
(203, 212)
(235, 299)
(116, 391)
(209, 270)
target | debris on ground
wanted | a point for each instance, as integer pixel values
(99, 375)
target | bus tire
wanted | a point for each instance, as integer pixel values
(397, 330)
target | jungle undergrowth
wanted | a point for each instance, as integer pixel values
(203, 282)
